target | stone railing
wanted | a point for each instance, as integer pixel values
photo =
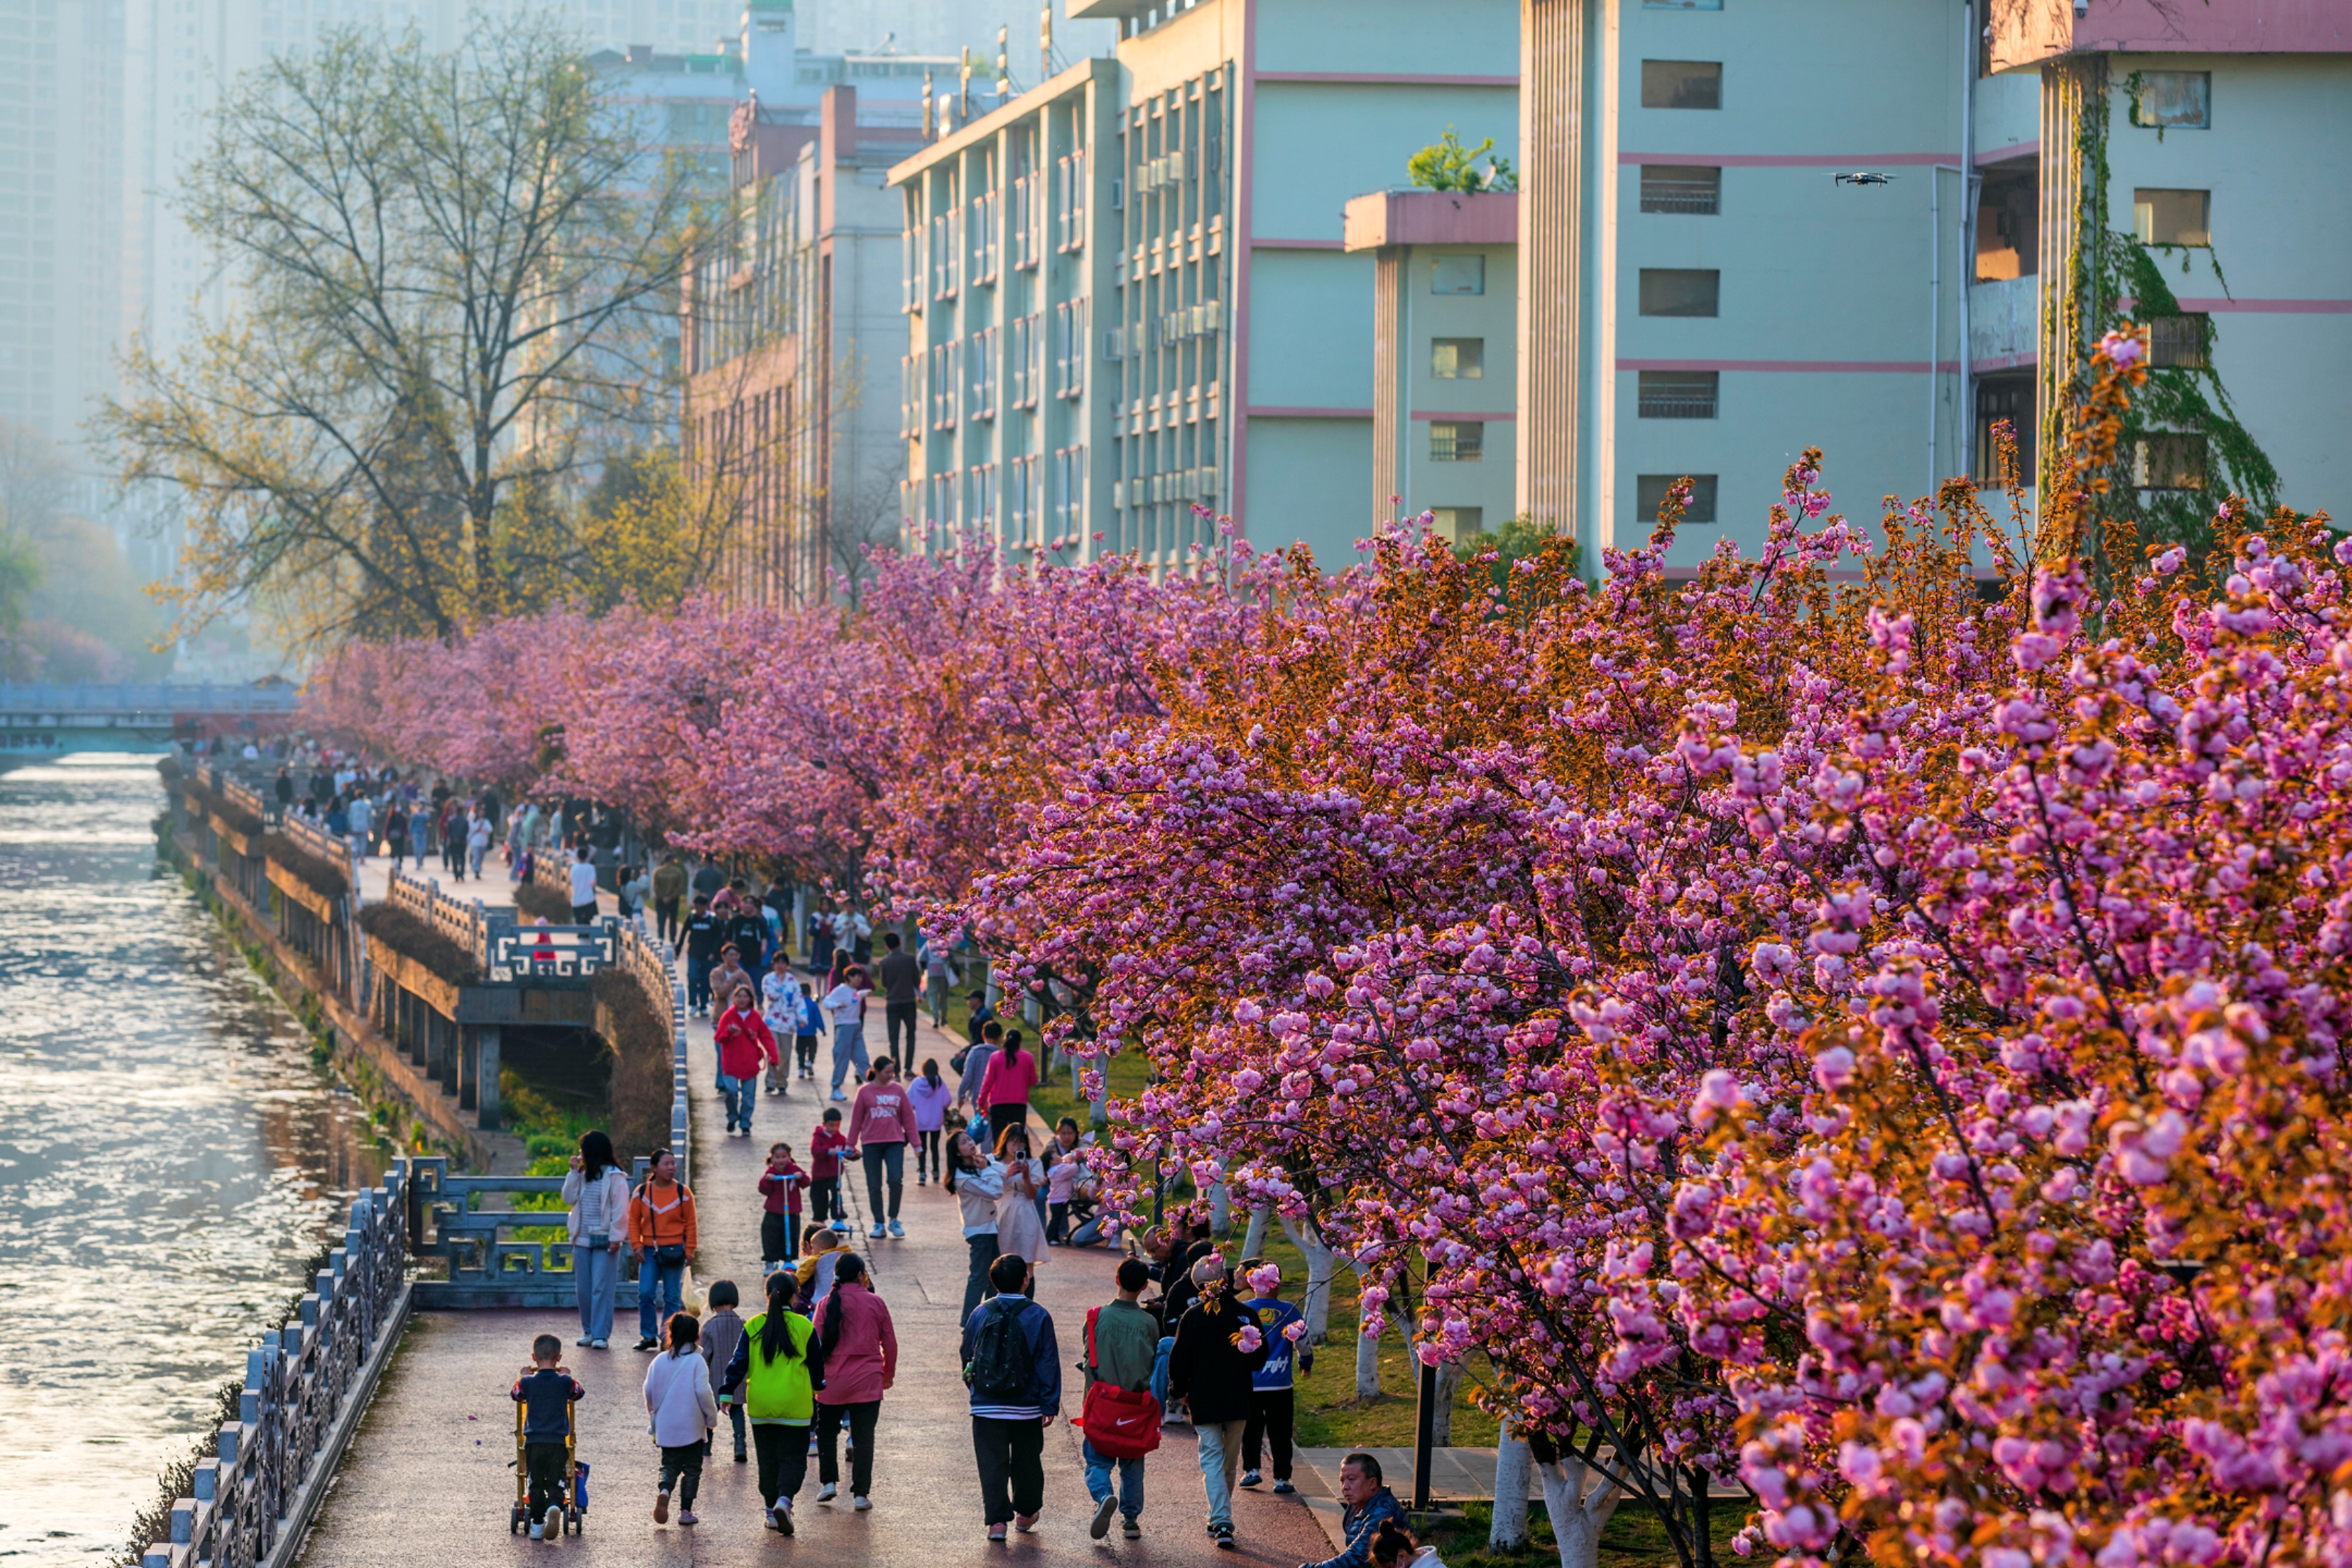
(306, 1385)
(462, 920)
(552, 952)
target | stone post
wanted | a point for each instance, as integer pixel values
(469, 1063)
(486, 1094)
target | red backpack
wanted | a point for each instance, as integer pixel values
(1121, 1424)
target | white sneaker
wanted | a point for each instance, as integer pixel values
(583, 1341)
(876, 1234)
(859, 1504)
(824, 1493)
(601, 1345)
(838, 1095)
(897, 1230)
(538, 1530)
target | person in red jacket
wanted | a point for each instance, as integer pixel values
(824, 1170)
(882, 1123)
(779, 1194)
(745, 1048)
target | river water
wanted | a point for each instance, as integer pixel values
(170, 1159)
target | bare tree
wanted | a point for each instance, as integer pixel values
(455, 271)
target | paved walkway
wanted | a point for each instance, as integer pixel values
(427, 1482)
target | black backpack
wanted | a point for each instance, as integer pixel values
(1001, 1371)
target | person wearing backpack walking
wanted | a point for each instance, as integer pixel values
(773, 1376)
(1014, 1371)
(1122, 1347)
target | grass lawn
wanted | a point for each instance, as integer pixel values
(1632, 1539)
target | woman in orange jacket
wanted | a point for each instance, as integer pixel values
(662, 1233)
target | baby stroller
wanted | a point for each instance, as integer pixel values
(573, 1498)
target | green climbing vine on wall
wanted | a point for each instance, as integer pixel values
(2183, 448)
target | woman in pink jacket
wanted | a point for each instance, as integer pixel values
(1005, 1087)
(861, 1360)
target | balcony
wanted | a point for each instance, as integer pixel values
(2004, 322)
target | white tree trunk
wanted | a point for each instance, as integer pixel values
(1221, 1210)
(1368, 1366)
(1449, 1383)
(1513, 1469)
(1579, 1501)
(1316, 1305)
(1253, 1239)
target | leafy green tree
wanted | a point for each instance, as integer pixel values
(1447, 165)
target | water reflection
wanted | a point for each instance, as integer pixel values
(169, 1159)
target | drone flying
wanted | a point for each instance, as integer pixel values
(1863, 177)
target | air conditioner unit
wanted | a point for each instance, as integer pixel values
(1119, 495)
(1118, 195)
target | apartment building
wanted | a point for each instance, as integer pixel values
(1129, 291)
(1708, 288)
(1444, 353)
(789, 316)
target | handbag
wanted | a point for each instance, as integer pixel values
(670, 1256)
(1119, 1423)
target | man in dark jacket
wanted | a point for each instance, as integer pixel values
(1364, 1506)
(1008, 1420)
(705, 935)
(901, 980)
(1219, 1345)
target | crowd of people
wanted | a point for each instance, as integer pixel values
(1186, 1336)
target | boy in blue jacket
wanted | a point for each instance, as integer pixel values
(547, 1393)
(1272, 1388)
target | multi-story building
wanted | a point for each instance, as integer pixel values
(1706, 288)
(1444, 353)
(790, 317)
(1129, 291)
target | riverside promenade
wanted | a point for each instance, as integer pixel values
(426, 1481)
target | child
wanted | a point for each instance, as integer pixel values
(780, 1005)
(812, 1024)
(815, 1271)
(685, 1413)
(547, 1391)
(1063, 1166)
(771, 1375)
(779, 1226)
(719, 1337)
(929, 1093)
(1271, 1396)
(824, 1170)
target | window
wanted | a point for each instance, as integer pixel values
(2004, 397)
(981, 508)
(1070, 491)
(2174, 100)
(1679, 291)
(1682, 188)
(1457, 359)
(1650, 494)
(1677, 393)
(944, 502)
(1070, 348)
(2008, 224)
(1070, 208)
(2180, 342)
(2169, 463)
(1021, 519)
(1458, 275)
(1022, 370)
(1457, 441)
(1682, 84)
(984, 374)
(2171, 217)
(1682, 4)
(1458, 522)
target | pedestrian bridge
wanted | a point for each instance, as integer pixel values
(51, 718)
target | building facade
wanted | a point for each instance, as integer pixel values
(1706, 288)
(1198, 331)
(1444, 353)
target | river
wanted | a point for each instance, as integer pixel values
(170, 1159)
